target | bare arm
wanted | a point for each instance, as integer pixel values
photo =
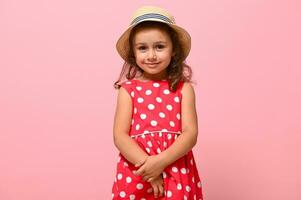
(122, 121)
(188, 138)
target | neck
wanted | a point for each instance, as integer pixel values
(160, 76)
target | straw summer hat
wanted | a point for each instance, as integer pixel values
(152, 13)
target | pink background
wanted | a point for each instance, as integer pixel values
(57, 67)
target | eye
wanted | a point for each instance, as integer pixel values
(141, 48)
(160, 46)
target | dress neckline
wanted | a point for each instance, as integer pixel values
(150, 80)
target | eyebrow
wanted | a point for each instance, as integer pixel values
(159, 42)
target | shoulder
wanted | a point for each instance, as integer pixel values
(126, 86)
(188, 85)
(188, 90)
(126, 83)
(124, 97)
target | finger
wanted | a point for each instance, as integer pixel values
(156, 191)
(150, 190)
(140, 163)
(140, 171)
(145, 175)
(161, 190)
(149, 179)
(145, 178)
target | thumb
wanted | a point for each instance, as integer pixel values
(140, 163)
(140, 171)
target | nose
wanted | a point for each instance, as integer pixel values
(152, 55)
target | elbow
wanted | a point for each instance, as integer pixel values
(191, 137)
(194, 138)
(116, 140)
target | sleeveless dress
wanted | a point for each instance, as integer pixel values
(156, 124)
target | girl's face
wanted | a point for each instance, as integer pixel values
(152, 48)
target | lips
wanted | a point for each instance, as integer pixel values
(151, 63)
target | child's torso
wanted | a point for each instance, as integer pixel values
(155, 107)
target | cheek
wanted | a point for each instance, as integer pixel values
(166, 56)
(139, 57)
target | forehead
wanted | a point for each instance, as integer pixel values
(151, 34)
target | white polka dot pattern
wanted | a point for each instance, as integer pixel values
(148, 92)
(158, 99)
(169, 107)
(122, 194)
(188, 188)
(174, 169)
(140, 100)
(151, 106)
(128, 179)
(119, 176)
(156, 84)
(161, 114)
(169, 193)
(183, 171)
(149, 143)
(155, 125)
(143, 116)
(166, 91)
(139, 186)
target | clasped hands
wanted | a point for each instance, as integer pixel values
(151, 168)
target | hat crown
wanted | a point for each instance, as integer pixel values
(152, 13)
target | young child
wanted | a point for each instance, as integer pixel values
(155, 124)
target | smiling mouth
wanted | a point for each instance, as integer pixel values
(151, 63)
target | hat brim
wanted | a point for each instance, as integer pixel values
(123, 45)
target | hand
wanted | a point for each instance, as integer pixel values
(151, 168)
(158, 187)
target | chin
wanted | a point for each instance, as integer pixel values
(152, 71)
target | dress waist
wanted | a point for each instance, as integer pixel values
(155, 132)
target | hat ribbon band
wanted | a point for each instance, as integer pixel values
(151, 15)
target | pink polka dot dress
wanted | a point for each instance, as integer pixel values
(156, 124)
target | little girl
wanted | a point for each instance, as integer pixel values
(155, 124)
